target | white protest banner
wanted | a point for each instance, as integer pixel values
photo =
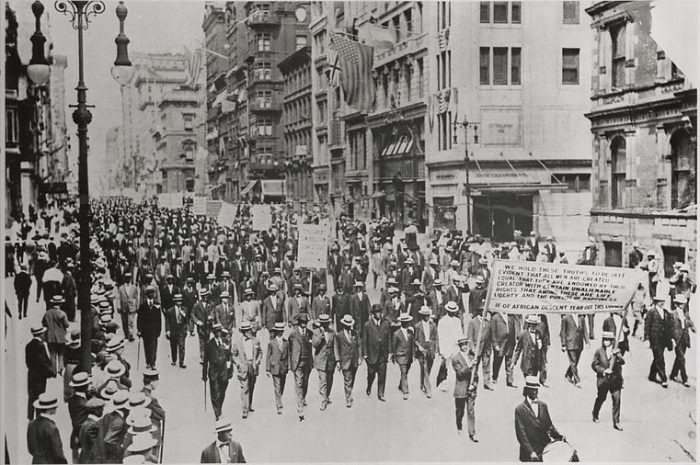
(535, 287)
(227, 214)
(261, 216)
(313, 246)
(199, 206)
(213, 208)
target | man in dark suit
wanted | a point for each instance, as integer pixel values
(341, 305)
(301, 360)
(503, 337)
(657, 330)
(167, 292)
(148, 323)
(347, 354)
(437, 299)
(681, 325)
(277, 362)
(43, 437)
(426, 340)
(607, 363)
(402, 345)
(189, 299)
(359, 304)
(87, 435)
(77, 409)
(543, 330)
(573, 335)
(465, 389)
(224, 449)
(272, 308)
(612, 324)
(112, 429)
(176, 330)
(346, 279)
(22, 284)
(533, 425)
(321, 304)
(39, 367)
(217, 368)
(323, 342)
(376, 346)
(529, 345)
(203, 316)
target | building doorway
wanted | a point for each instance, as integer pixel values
(497, 215)
(671, 256)
(613, 253)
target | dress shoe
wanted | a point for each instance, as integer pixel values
(182, 365)
(348, 404)
(323, 406)
(488, 387)
(329, 401)
(251, 410)
(545, 385)
(686, 384)
(279, 411)
(301, 417)
(428, 395)
(172, 363)
(368, 391)
(617, 427)
(381, 399)
(578, 385)
(665, 384)
(511, 385)
(595, 418)
(473, 438)
(245, 415)
(405, 397)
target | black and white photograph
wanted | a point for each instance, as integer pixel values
(349, 231)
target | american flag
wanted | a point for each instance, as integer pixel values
(356, 71)
(194, 66)
(333, 68)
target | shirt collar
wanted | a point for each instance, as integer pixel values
(219, 444)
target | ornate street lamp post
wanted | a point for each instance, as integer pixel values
(466, 124)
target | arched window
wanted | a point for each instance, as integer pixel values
(683, 168)
(618, 148)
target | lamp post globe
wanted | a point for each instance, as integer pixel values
(122, 71)
(38, 69)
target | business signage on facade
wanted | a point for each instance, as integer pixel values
(501, 126)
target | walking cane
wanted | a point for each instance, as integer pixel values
(205, 395)
(138, 355)
(162, 439)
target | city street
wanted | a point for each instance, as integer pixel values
(659, 425)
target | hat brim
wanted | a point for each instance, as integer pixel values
(38, 406)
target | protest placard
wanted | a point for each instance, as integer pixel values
(535, 287)
(227, 213)
(199, 207)
(313, 246)
(261, 216)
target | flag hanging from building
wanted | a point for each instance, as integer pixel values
(355, 61)
(194, 66)
(333, 68)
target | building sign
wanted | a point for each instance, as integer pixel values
(500, 177)
(313, 245)
(535, 287)
(53, 188)
(302, 150)
(321, 175)
(501, 126)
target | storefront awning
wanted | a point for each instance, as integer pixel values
(400, 145)
(520, 188)
(273, 188)
(248, 187)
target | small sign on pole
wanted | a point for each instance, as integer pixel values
(313, 246)
(261, 216)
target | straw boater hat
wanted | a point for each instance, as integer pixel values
(454, 263)
(608, 335)
(224, 295)
(348, 320)
(279, 326)
(115, 369)
(178, 297)
(433, 261)
(324, 318)
(120, 399)
(424, 310)
(416, 282)
(532, 319)
(393, 290)
(532, 382)
(37, 330)
(359, 284)
(405, 317)
(272, 287)
(140, 423)
(245, 326)
(680, 299)
(480, 279)
(142, 442)
(108, 392)
(437, 282)
(58, 299)
(204, 292)
(451, 306)
(79, 379)
(223, 424)
(94, 403)
(135, 459)
(115, 344)
(409, 261)
(462, 340)
(46, 401)
(216, 326)
(659, 297)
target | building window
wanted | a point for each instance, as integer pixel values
(263, 40)
(575, 182)
(407, 18)
(485, 12)
(515, 66)
(569, 65)
(263, 71)
(396, 24)
(420, 78)
(302, 41)
(443, 15)
(618, 56)
(12, 127)
(683, 170)
(407, 78)
(618, 163)
(570, 10)
(500, 12)
(189, 152)
(264, 98)
(515, 12)
(264, 127)
(500, 65)
(484, 67)
(188, 122)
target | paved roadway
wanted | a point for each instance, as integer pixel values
(659, 424)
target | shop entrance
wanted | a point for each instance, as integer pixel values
(497, 215)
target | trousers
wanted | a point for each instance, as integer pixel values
(202, 344)
(403, 381)
(543, 368)
(498, 360)
(378, 370)
(247, 388)
(128, 324)
(34, 389)
(679, 363)
(486, 368)
(177, 346)
(426, 365)
(22, 304)
(603, 390)
(218, 382)
(572, 371)
(349, 383)
(278, 382)
(460, 404)
(658, 364)
(325, 384)
(301, 380)
(150, 349)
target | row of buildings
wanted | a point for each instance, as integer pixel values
(37, 144)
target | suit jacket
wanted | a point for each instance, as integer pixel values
(437, 308)
(87, 438)
(658, 330)
(216, 359)
(171, 324)
(601, 362)
(347, 350)
(530, 351)
(56, 321)
(227, 319)
(463, 375)
(166, 297)
(376, 342)
(44, 441)
(250, 312)
(78, 414)
(360, 309)
(38, 362)
(502, 334)
(296, 308)
(340, 305)
(680, 329)
(392, 311)
(272, 313)
(428, 345)
(148, 321)
(211, 454)
(473, 334)
(295, 342)
(573, 335)
(324, 349)
(110, 437)
(128, 298)
(403, 347)
(477, 299)
(243, 365)
(320, 306)
(533, 432)
(277, 360)
(610, 325)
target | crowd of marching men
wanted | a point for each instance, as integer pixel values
(232, 289)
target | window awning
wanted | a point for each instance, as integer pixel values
(248, 187)
(273, 187)
(400, 145)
